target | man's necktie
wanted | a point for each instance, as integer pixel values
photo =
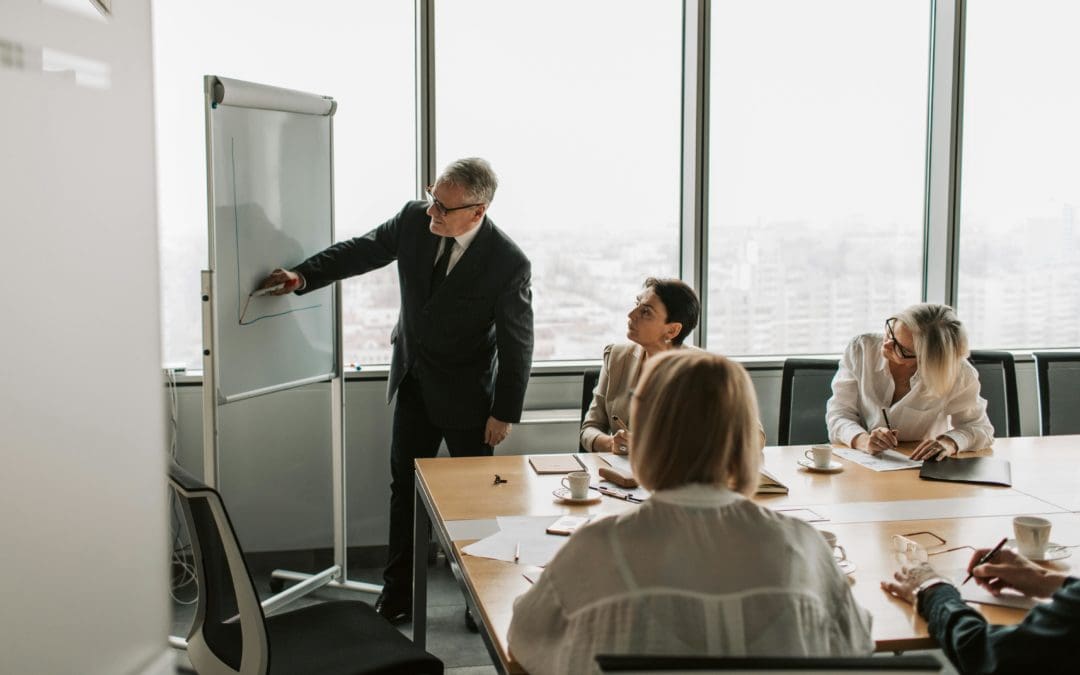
(438, 275)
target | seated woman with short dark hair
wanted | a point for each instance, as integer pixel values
(698, 569)
(664, 313)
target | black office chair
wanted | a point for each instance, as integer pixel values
(730, 665)
(997, 384)
(805, 387)
(588, 386)
(1058, 374)
(231, 635)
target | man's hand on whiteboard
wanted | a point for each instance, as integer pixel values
(286, 281)
(496, 431)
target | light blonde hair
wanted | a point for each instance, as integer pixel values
(696, 422)
(941, 344)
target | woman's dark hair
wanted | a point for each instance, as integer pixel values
(682, 304)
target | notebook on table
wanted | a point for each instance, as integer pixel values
(769, 484)
(543, 464)
(988, 470)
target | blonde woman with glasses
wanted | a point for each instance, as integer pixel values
(912, 383)
(698, 569)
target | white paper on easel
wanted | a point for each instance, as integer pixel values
(890, 460)
(522, 534)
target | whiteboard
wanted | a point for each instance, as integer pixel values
(270, 193)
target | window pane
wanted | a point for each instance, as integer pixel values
(817, 165)
(294, 46)
(576, 105)
(1019, 282)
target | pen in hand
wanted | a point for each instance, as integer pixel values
(888, 425)
(985, 559)
(517, 552)
(620, 449)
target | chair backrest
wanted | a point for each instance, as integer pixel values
(1059, 392)
(805, 387)
(588, 387)
(997, 384)
(216, 642)
(664, 665)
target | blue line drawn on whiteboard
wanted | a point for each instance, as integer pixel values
(240, 302)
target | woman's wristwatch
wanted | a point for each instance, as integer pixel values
(925, 586)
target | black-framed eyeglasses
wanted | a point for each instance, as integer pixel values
(443, 209)
(900, 349)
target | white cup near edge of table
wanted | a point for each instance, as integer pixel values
(820, 455)
(830, 539)
(578, 484)
(1032, 536)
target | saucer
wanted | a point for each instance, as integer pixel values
(834, 466)
(846, 566)
(563, 495)
(1053, 551)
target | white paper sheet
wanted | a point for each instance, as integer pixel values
(890, 460)
(932, 509)
(524, 534)
(972, 592)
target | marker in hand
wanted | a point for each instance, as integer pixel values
(622, 426)
(268, 290)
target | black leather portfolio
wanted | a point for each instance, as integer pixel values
(989, 470)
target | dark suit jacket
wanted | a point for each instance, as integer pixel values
(470, 344)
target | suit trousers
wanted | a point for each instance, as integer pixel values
(414, 437)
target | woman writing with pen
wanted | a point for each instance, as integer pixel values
(1044, 642)
(664, 313)
(913, 383)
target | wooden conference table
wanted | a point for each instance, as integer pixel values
(459, 498)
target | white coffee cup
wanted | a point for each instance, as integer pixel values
(820, 455)
(1032, 536)
(578, 484)
(830, 539)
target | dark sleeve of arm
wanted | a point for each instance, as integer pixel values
(348, 258)
(514, 342)
(1045, 639)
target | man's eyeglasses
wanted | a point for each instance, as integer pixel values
(443, 209)
(900, 349)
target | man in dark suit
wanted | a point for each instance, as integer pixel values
(462, 344)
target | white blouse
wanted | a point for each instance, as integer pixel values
(863, 386)
(699, 570)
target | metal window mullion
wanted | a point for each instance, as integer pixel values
(944, 143)
(425, 95)
(693, 202)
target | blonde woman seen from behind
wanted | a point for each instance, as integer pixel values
(912, 383)
(698, 569)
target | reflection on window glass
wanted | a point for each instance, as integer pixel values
(298, 47)
(576, 105)
(1019, 282)
(816, 170)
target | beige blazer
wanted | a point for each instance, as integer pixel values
(618, 376)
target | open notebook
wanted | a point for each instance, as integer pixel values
(770, 484)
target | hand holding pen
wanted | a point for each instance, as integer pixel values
(882, 438)
(983, 559)
(622, 437)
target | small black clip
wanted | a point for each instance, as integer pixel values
(499, 479)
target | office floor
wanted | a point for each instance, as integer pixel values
(462, 652)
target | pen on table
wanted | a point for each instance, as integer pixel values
(985, 559)
(517, 552)
(625, 496)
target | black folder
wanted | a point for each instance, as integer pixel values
(989, 470)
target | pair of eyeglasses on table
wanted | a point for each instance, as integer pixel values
(915, 551)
